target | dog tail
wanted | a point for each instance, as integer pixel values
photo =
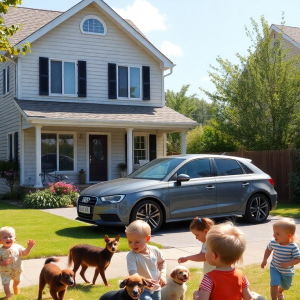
(51, 259)
(70, 257)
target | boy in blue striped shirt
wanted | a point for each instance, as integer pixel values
(286, 254)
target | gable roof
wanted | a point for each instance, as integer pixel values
(37, 22)
(292, 34)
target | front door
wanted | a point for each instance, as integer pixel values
(98, 157)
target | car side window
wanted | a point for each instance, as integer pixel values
(246, 169)
(227, 167)
(196, 168)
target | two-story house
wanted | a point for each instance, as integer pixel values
(89, 96)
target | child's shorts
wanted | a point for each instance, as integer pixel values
(285, 281)
(6, 277)
(148, 296)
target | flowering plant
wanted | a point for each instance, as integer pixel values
(62, 188)
(9, 172)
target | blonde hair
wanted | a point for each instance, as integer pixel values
(227, 241)
(139, 226)
(288, 225)
(7, 229)
(201, 224)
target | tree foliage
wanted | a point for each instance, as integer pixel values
(6, 48)
(256, 100)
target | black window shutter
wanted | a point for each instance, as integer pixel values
(146, 83)
(126, 148)
(10, 147)
(112, 81)
(81, 78)
(152, 147)
(7, 78)
(3, 81)
(16, 146)
(44, 76)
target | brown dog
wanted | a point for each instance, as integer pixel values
(134, 287)
(92, 256)
(57, 279)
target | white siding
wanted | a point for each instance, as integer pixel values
(67, 42)
(9, 115)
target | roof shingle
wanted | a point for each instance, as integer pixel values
(292, 32)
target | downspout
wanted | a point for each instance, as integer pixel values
(163, 84)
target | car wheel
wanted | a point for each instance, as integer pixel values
(150, 212)
(258, 209)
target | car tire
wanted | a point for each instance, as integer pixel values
(258, 209)
(150, 212)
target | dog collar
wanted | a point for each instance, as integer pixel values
(177, 282)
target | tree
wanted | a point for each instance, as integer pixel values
(6, 48)
(203, 112)
(256, 100)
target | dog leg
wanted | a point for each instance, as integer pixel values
(95, 275)
(82, 272)
(41, 287)
(61, 294)
(53, 293)
(75, 269)
(102, 273)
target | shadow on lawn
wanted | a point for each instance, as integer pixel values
(82, 232)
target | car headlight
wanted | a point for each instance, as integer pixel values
(113, 198)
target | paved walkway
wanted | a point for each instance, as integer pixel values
(175, 237)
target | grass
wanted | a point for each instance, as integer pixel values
(258, 278)
(287, 210)
(53, 235)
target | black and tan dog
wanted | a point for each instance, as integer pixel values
(91, 256)
(134, 286)
(57, 279)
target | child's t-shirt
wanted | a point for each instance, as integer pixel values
(13, 253)
(206, 266)
(146, 264)
(283, 254)
(225, 285)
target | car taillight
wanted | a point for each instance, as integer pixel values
(271, 181)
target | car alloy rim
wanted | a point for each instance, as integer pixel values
(259, 208)
(150, 214)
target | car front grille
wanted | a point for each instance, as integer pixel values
(91, 203)
(85, 216)
(110, 218)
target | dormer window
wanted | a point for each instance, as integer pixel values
(93, 25)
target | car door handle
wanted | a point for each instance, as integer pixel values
(210, 187)
(245, 184)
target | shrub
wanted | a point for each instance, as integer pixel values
(9, 172)
(64, 189)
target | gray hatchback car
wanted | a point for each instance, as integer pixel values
(177, 188)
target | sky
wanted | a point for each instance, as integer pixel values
(193, 33)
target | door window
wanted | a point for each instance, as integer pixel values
(227, 167)
(196, 168)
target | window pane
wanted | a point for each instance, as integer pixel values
(49, 156)
(66, 152)
(123, 81)
(135, 83)
(56, 77)
(227, 167)
(69, 78)
(196, 168)
(93, 25)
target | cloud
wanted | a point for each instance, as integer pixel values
(205, 78)
(170, 49)
(145, 16)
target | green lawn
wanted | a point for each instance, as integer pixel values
(258, 278)
(287, 210)
(53, 235)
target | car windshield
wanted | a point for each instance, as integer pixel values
(157, 169)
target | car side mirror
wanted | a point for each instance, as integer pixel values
(182, 177)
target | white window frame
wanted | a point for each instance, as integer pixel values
(12, 145)
(93, 17)
(57, 149)
(128, 74)
(6, 81)
(146, 135)
(63, 78)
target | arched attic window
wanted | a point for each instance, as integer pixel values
(93, 25)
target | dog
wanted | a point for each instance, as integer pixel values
(57, 279)
(131, 288)
(176, 288)
(256, 296)
(91, 256)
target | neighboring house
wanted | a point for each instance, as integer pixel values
(89, 96)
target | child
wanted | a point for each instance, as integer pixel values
(145, 260)
(286, 255)
(10, 259)
(225, 245)
(200, 227)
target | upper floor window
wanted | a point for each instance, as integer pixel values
(5, 81)
(129, 82)
(93, 25)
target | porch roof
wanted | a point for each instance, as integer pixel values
(55, 113)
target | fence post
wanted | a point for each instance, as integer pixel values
(243, 151)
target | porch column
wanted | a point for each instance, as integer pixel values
(183, 142)
(38, 155)
(129, 151)
(22, 163)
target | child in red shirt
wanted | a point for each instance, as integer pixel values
(225, 245)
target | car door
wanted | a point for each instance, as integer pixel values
(233, 185)
(196, 197)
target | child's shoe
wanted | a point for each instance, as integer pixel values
(16, 290)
